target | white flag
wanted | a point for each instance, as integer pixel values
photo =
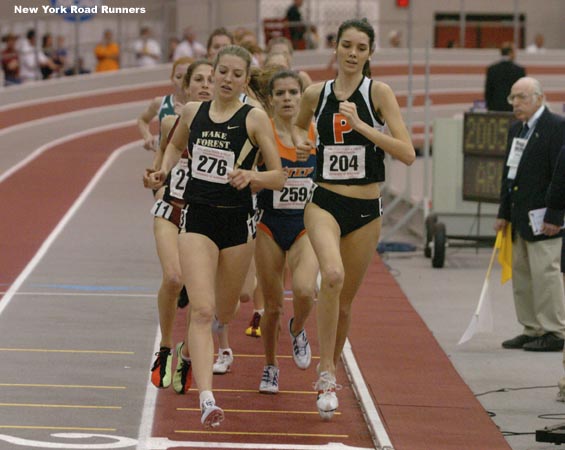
(482, 318)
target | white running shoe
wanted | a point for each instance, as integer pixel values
(270, 380)
(212, 415)
(223, 362)
(301, 352)
(326, 402)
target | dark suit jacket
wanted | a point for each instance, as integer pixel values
(556, 193)
(500, 78)
(528, 190)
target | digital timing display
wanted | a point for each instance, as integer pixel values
(484, 152)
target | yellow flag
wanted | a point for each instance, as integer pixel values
(504, 245)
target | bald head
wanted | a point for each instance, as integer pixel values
(526, 97)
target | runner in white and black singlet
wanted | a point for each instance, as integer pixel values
(342, 217)
(224, 137)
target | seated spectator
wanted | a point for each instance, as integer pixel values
(189, 47)
(147, 50)
(394, 38)
(80, 70)
(537, 45)
(107, 53)
(173, 44)
(61, 53)
(49, 71)
(31, 59)
(10, 60)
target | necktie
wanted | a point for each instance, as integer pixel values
(524, 131)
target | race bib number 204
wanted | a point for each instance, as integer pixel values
(342, 162)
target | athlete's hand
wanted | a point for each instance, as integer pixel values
(155, 178)
(304, 149)
(146, 176)
(239, 178)
(150, 144)
(349, 110)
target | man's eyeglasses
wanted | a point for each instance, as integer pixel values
(521, 97)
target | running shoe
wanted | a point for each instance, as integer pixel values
(212, 415)
(269, 380)
(162, 368)
(301, 352)
(223, 362)
(254, 328)
(182, 379)
(326, 402)
(182, 300)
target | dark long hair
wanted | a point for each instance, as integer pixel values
(363, 26)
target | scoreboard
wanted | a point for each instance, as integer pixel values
(484, 154)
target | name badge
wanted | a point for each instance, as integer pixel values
(516, 151)
(212, 164)
(343, 162)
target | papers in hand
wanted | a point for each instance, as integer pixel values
(536, 220)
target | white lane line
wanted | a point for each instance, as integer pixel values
(24, 162)
(71, 114)
(362, 391)
(5, 301)
(82, 94)
(146, 426)
(82, 294)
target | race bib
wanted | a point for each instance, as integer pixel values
(179, 178)
(342, 162)
(293, 195)
(211, 164)
(162, 209)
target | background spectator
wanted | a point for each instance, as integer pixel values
(189, 47)
(500, 78)
(147, 50)
(294, 18)
(394, 38)
(537, 45)
(80, 70)
(10, 60)
(31, 59)
(47, 45)
(173, 44)
(61, 53)
(107, 53)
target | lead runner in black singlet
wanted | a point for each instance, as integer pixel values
(224, 137)
(342, 217)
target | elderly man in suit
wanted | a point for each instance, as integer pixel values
(533, 146)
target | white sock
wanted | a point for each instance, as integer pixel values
(222, 350)
(260, 311)
(206, 395)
